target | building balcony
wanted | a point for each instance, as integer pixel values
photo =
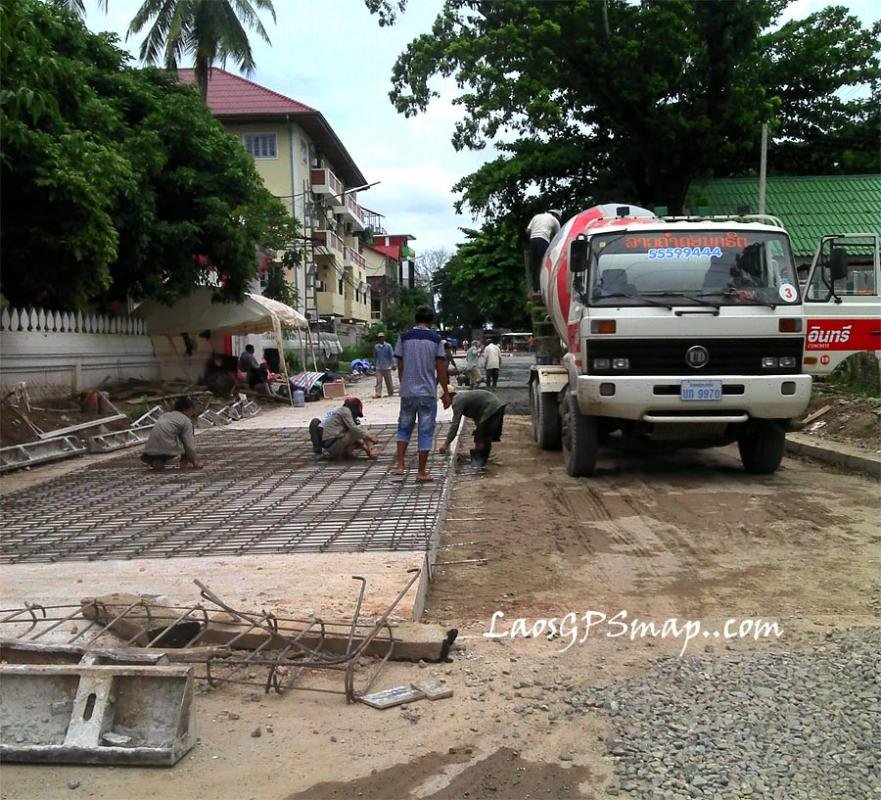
(358, 310)
(327, 243)
(352, 258)
(374, 221)
(331, 304)
(325, 182)
(351, 212)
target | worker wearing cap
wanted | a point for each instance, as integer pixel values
(541, 229)
(488, 414)
(384, 361)
(342, 435)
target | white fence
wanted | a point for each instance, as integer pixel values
(37, 320)
(57, 353)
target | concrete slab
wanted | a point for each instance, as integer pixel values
(300, 583)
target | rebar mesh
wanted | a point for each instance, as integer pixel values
(261, 492)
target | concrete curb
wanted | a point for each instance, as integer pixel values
(840, 455)
(434, 540)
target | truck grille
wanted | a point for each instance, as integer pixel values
(667, 356)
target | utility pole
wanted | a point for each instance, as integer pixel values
(763, 168)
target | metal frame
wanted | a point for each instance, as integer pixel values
(287, 646)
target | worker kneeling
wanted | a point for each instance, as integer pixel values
(488, 414)
(172, 432)
(341, 434)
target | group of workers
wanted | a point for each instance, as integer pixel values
(421, 360)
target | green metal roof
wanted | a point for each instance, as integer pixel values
(809, 205)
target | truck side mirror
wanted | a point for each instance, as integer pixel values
(838, 263)
(578, 255)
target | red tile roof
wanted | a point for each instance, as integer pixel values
(230, 95)
(391, 250)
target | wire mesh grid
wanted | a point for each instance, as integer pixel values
(261, 492)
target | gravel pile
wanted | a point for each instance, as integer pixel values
(799, 725)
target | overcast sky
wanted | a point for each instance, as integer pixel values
(334, 56)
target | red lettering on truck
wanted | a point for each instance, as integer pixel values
(843, 334)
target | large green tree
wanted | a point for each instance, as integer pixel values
(116, 182)
(484, 281)
(592, 100)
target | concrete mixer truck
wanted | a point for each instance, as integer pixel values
(682, 330)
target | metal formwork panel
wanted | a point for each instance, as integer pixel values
(261, 492)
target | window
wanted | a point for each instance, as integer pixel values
(304, 152)
(860, 280)
(260, 145)
(340, 285)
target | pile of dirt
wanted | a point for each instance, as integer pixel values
(851, 419)
(18, 426)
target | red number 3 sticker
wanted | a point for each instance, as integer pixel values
(787, 292)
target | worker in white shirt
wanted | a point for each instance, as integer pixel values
(541, 229)
(493, 356)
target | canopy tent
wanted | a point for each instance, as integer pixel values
(197, 312)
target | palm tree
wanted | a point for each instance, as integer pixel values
(208, 30)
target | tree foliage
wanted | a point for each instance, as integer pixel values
(208, 31)
(585, 99)
(116, 181)
(484, 281)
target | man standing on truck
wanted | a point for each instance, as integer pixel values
(541, 229)
(488, 414)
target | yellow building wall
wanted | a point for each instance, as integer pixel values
(275, 172)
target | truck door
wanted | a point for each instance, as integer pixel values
(842, 316)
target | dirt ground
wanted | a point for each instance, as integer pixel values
(851, 419)
(685, 534)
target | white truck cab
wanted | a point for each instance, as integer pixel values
(841, 301)
(687, 331)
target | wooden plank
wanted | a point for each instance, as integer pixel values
(82, 426)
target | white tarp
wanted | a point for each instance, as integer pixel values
(196, 313)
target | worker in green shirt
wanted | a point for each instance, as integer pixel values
(488, 414)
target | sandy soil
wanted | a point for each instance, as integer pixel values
(685, 534)
(851, 419)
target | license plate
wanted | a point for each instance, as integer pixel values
(700, 390)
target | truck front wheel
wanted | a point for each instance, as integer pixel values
(545, 418)
(761, 450)
(580, 439)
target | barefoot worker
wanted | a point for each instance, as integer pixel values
(422, 365)
(488, 414)
(172, 432)
(342, 434)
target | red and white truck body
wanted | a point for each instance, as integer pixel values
(842, 316)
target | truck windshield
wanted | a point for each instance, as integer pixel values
(697, 267)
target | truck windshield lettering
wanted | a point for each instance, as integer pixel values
(730, 268)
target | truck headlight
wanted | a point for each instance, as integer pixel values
(770, 362)
(620, 363)
(787, 361)
(601, 363)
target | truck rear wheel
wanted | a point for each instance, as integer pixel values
(580, 439)
(545, 411)
(761, 450)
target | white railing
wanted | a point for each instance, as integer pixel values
(43, 321)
